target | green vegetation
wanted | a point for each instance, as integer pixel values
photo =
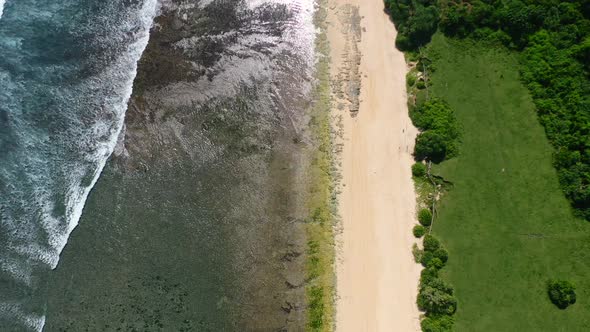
(505, 221)
(431, 243)
(430, 145)
(439, 135)
(415, 20)
(435, 296)
(320, 286)
(418, 170)
(553, 37)
(425, 217)
(561, 91)
(562, 293)
(417, 253)
(419, 231)
(442, 254)
(437, 141)
(436, 301)
(435, 323)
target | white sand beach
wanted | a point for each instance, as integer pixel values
(377, 278)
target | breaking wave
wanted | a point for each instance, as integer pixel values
(67, 72)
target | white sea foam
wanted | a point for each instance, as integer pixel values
(38, 239)
(77, 195)
(99, 139)
(27, 242)
(2, 7)
(17, 269)
(30, 321)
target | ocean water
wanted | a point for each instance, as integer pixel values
(66, 74)
(194, 223)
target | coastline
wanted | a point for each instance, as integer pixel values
(377, 278)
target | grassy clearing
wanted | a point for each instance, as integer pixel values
(320, 224)
(506, 223)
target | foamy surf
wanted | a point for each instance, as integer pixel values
(178, 171)
(30, 321)
(41, 201)
(79, 194)
(77, 191)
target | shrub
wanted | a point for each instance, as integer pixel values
(425, 217)
(418, 170)
(434, 301)
(430, 145)
(402, 42)
(417, 252)
(427, 276)
(431, 244)
(423, 65)
(562, 293)
(419, 231)
(435, 263)
(436, 114)
(421, 85)
(412, 56)
(437, 323)
(441, 285)
(410, 80)
(442, 254)
(427, 256)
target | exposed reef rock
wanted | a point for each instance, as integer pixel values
(191, 227)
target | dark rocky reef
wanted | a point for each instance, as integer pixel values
(196, 222)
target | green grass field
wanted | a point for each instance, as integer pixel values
(505, 222)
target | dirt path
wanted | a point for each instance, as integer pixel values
(377, 277)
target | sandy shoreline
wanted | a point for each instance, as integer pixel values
(377, 278)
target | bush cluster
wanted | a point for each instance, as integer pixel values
(562, 293)
(435, 296)
(440, 132)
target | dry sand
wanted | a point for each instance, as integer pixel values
(377, 278)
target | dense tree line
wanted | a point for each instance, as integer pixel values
(553, 38)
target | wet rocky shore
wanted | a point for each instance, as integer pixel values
(197, 222)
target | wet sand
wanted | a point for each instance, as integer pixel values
(377, 278)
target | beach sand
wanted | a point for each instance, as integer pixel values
(377, 277)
